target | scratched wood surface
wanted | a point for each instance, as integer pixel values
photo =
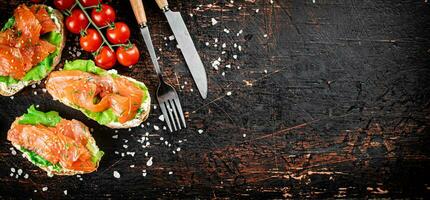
(332, 102)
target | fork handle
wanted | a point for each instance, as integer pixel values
(139, 12)
(163, 4)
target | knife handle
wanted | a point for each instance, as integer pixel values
(162, 4)
(139, 12)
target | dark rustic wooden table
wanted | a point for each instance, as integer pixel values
(328, 99)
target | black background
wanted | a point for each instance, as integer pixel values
(343, 110)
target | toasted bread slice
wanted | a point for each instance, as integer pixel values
(50, 168)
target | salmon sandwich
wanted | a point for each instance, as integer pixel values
(56, 145)
(104, 96)
(31, 42)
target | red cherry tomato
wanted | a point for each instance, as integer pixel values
(91, 41)
(87, 3)
(106, 58)
(77, 21)
(64, 4)
(118, 34)
(127, 56)
(104, 15)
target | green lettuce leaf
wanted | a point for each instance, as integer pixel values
(8, 80)
(35, 117)
(104, 117)
(85, 66)
(39, 160)
(10, 22)
(96, 154)
(53, 37)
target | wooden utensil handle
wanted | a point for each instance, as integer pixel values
(162, 4)
(139, 11)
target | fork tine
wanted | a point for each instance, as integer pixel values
(175, 112)
(169, 110)
(179, 107)
(166, 115)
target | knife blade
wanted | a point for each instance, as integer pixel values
(188, 49)
(148, 41)
(140, 15)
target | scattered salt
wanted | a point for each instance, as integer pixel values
(228, 93)
(116, 174)
(65, 192)
(172, 37)
(44, 189)
(149, 162)
(226, 30)
(161, 118)
(200, 131)
(214, 21)
(156, 128)
(115, 136)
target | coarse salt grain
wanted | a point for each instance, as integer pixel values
(228, 93)
(200, 131)
(156, 128)
(235, 57)
(178, 149)
(214, 21)
(115, 136)
(149, 162)
(172, 37)
(228, 66)
(44, 189)
(116, 174)
(257, 10)
(65, 192)
(170, 173)
(161, 118)
(244, 135)
(226, 30)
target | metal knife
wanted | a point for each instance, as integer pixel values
(140, 15)
(195, 64)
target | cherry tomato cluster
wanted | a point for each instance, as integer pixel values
(92, 40)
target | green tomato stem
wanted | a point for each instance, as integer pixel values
(105, 41)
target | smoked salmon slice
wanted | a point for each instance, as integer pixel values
(64, 144)
(44, 19)
(20, 46)
(97, 93)
(28, 26)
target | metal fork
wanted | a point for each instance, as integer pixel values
(166, 95)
